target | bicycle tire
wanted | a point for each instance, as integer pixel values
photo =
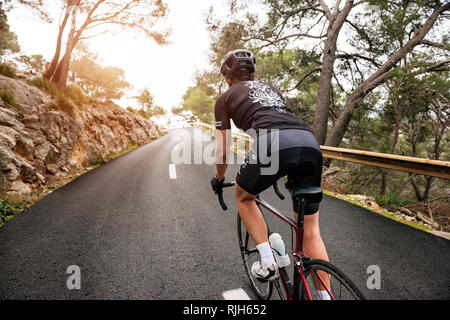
(262, 289)
(312, 266)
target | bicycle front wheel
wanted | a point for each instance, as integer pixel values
(250, 255)
(325, 281)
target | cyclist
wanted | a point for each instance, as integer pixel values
(260, 106)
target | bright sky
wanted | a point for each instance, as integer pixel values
(165, 71)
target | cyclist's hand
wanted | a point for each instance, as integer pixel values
(216, 184)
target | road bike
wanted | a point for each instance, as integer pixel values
(309, 275)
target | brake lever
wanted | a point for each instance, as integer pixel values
(222, 203)
(220, 194)
(277, 191)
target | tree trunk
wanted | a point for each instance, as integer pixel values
(398, 118)
(62, 71)
(416, 189)
(51, 70)
(378, 78)
(336, 22)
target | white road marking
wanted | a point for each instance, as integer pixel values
(236, 294)
(172, 171)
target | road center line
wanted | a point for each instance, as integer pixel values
(236, 294)
(172, 171)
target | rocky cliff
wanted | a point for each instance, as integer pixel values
(40, 145)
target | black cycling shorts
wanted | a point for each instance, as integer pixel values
(301, 164)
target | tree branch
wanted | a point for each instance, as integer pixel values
(303, 79)
(434, 44)
(272, 42)
(354, 56)
(326, 10)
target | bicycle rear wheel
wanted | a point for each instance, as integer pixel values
(250, 255)
(335, 285)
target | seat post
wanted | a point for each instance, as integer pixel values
(300, 222)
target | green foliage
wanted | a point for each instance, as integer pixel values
(66, 104)
(200, 103)
(407, 115)
(7, 97)
(145, 99)
(37, 6)
(96, 162)
(393, 200)
(7, 70)
(8, 210)
(8, 40)
(45, 85)
(155, 111)
(78, 96)
(35, 63)
(104, 83)
(62, 101)
(148, 107)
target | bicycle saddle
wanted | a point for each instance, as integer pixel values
(312, 194)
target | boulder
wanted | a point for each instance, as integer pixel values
(408, 212)
(20, 188)
(427, 220)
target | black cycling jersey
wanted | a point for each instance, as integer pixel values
(255, 105)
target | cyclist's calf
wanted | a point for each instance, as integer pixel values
(312, 240)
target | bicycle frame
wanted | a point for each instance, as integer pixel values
(298, 253)
(299, 256)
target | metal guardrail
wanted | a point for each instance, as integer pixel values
(428, 167)
(435, 168)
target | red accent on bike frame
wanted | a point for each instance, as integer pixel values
(298, 250)
(308, 294)
(323, 283)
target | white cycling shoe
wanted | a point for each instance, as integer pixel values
(265, 272)
(279, 250)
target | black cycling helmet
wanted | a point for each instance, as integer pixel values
(236, 60)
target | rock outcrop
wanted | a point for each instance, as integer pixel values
(40, 144)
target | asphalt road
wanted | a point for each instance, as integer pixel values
(135, 231)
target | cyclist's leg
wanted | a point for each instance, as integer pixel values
(251, 215)
(310, 174)
(249, 183)
(313, 245)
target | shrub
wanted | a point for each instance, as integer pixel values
(7, 70)
(62, 102)
(8, 211)
(77, 95)
(393, 200)
(65, 104)
(97, 161)
(7, 97)
(45, 85)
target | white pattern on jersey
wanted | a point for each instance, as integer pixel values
(265, 95)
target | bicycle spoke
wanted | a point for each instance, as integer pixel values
(323, 276)
(250, 255)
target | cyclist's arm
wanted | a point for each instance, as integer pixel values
(222, 135)
(221, 152)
